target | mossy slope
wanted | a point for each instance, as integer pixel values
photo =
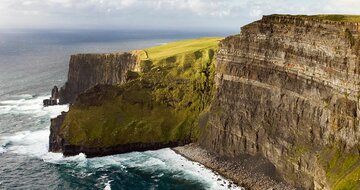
(342, 168)
(162, 103)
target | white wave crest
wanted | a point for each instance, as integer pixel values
(192, 170)
(28, 143)
(2, 150)
(31, 105)
(3, 144)
(108, 185)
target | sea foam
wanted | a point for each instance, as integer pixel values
(31, 105)
(34, 143)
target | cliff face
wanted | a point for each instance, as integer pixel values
(55, 141)
(88, 70)
(288, 88)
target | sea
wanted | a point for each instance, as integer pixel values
(31, 63)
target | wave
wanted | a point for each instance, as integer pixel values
(34, 143)
(108, 185)
(155, 162)
(2, 150)
(3, 144)
(191, 170)
(27, 142)
(30, 105)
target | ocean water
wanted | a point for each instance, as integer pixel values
(31, 63)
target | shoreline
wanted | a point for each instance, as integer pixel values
(249, 172)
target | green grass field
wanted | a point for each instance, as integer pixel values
(181, 47)
(335, 17)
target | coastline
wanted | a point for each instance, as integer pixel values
(253, 172)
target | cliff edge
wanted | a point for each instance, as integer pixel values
(88, 70)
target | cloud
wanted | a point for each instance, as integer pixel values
(343, 6)
(200, 7)
(157, 13)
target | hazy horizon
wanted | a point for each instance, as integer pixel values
(186, 15)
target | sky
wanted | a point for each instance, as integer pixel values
(157, 14)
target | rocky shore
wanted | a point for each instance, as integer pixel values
(250, 172)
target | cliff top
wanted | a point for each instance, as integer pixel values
(182, 46)
(330, 17)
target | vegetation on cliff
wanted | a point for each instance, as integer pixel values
(162, 103)
(342, 168)
(329, 17)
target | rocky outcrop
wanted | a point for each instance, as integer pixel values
(72, 150)
(55, 141)
(288, 89)
(54, 99)
(88, 70)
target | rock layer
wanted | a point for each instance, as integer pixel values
(88, 70)
(287, 88)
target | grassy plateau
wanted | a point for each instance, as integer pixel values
(329, 17)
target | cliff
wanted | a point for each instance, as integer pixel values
(287, 88)
(284, 92)
(88, 70)
(167, 93)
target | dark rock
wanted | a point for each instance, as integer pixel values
(54, 99)
(95, 152)
(89, 70)
(55, 93)
(55, 141)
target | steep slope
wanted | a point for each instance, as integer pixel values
(161, 105)
(88, 70)
(287, 88)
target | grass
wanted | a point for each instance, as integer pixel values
(332, 17)
(181, 47)
(338, 18)
(174, 86)
(342, 168)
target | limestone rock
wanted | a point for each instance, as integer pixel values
(287, 88)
